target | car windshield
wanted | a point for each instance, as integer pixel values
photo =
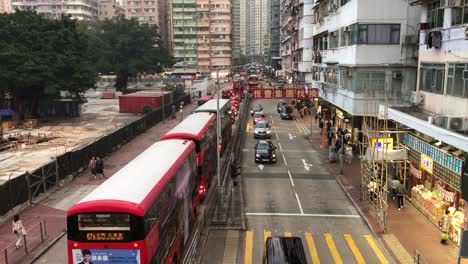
(261, 125)
(256, 115)
(257, 108)
(287, 109)
(263, 146)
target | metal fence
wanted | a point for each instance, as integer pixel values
(35, 236)
(26, 187)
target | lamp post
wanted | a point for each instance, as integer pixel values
(218, 132)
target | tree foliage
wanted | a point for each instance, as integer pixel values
(40, 57)
(126, 48)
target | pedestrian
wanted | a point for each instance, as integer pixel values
(18, 230)
(347, 136)
(348, 153)
(444, 224)
(329, 124)
(372, 187)
(400, 190)
(92, 167)
(393, 185)
(100, 167)
(316, 118)
(321, 126)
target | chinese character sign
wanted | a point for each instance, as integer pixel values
(426, 163)
(288, 93)
(106, 256)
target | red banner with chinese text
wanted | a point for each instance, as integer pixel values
(284, 93)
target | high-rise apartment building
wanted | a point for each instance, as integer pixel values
(152, 12)
(202, 35)
(274, 52)
(258, 32)
(243, 26)
(236, 29)
(79, 9)
(109, 9)
(5, 6)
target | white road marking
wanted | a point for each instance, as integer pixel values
(291, 137)
(306, 166)
(279, 144)
(308, 215)
(299, 203)
(271, 118)
(260, 166)
(284, 158)
(277, 138)
(290, 178)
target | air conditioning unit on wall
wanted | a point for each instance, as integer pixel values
(457, 123)
(417, 97)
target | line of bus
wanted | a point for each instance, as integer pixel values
(144, 213)
(226, 124)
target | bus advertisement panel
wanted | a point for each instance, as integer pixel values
(106, 256)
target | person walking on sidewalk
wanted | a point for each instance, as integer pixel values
(400, 189)
(393, 185)
(18, 230)
(100, 167)
(444, 224)
(321, 126)
(92, 167)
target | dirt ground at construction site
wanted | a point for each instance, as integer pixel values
(29, 148)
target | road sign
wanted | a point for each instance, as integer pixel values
(284, 93)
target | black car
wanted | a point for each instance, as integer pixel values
(279, 250)
(265, 152)
(256, 108)
(286, 112)
(280, 104)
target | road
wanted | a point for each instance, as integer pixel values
(297, 196)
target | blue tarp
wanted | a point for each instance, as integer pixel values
(6, 112)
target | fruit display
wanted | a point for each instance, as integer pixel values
(455, 226)
(429, 203)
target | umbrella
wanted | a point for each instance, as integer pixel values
(6, 112)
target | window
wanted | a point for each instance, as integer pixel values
(379, 34)
(435, 13)
(353, 34)
(460, 14)
(456, 84)
(344, 2)
(333, 40)
(431, 77)
(370, 82)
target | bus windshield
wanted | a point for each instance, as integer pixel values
(103, 221)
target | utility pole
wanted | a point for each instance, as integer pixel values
(218, 133)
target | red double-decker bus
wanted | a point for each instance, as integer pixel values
(201, 129)
(143, 214)
(204, 99)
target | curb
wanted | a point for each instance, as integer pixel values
(49, 245)
(348, 195)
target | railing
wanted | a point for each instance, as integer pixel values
(35, 236)
(418, 258)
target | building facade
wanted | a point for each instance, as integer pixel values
(358, 52)
(152, 12)
(236, 29)
(5, 6)
(258, 33)
(243, 26)
(202, 35)
(79, 9)
(437, 115)
(109, 9)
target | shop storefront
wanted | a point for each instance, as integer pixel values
(435, 183)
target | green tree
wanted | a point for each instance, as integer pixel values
(39, 58)
(242, 60)
(126, 48)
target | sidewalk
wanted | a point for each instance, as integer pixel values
(408, 230)
(52, 208)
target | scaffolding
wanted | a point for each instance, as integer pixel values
(382, 155)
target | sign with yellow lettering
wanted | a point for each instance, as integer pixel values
(426, 163)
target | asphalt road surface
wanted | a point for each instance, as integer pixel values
(296, 196)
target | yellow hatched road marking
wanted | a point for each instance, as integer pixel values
(312, 248)
(299, 127)
(248, 247)
(287, 234)
(376, 249)
(333, 250)
(230, 247)
(354, 249)
(266, 234)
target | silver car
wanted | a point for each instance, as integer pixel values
(262, 130)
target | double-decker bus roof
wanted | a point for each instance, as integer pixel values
(210, 106)
(191, 127)
(137, 184)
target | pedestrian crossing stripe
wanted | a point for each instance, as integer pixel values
(354, 249)
(333, 250)
(312, 249)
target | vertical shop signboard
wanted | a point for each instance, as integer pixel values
(427, 163)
